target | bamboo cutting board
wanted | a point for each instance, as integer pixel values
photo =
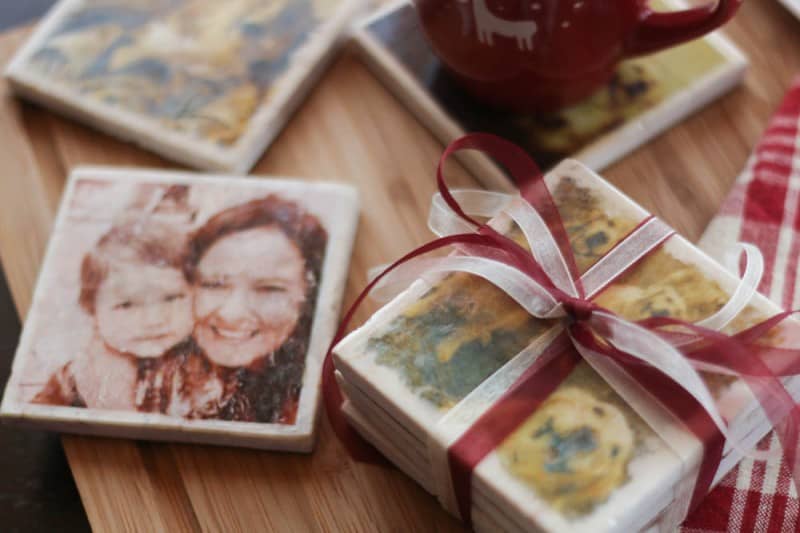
(351, 129)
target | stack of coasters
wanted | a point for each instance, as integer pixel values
(176, 307)
(436, 356)
(205, 83)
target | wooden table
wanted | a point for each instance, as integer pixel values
(350, 129)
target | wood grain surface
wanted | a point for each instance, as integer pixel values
(350, 129)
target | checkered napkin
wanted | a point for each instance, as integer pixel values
(763, 208)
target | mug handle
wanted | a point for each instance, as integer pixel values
(658, 30)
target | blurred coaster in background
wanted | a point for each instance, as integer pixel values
(645, 97)
(203, 82)
(185, 307)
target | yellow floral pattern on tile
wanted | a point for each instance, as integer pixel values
(574, 449)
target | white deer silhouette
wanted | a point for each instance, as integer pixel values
(488, 24)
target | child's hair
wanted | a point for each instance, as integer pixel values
(141, 241)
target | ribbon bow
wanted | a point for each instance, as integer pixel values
(663, 355)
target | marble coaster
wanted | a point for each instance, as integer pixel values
(205, 83)
(177, 307)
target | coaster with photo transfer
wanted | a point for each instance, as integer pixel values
(173, 307)
(205, 83)
(645, 97)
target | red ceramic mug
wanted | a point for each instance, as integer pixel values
(538, 55)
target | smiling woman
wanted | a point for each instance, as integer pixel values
(255, 269)
(248, 309)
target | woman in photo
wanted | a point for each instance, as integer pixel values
(255, 269)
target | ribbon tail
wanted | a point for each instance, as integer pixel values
(758, 368)
(746, 360)
(706, 353)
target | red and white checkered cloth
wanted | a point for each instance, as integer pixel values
(763, 208)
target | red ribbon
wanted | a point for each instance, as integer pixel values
(758, 365)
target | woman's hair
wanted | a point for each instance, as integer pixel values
(141, 241)
(263, 391)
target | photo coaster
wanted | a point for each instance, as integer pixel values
(176, 307)
(205, 83)
(646, 96)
